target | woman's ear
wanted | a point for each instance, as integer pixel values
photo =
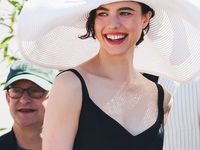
(146, 19)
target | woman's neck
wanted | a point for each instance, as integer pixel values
(116, 67)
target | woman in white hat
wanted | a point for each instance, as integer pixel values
(114, 106)
(105, 103)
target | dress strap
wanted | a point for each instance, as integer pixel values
(84, 88)
(160, 100)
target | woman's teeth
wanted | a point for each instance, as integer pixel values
(115, 37)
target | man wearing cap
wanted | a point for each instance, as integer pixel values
(27, 91)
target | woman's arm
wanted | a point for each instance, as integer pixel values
(168, 100)
(62, 113)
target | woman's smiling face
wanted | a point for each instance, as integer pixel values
(118, 26)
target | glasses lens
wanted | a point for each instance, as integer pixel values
(15, 92)
(35, 92)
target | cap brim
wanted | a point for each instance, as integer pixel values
(37, 80)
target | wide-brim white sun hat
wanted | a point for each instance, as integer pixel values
(48, 32)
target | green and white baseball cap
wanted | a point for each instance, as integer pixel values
(22, 69)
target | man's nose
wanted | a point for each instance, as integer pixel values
(25, 98)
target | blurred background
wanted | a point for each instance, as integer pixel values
(9, 11)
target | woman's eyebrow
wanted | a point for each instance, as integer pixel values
(120, 9)
(102, 8)
(126, 8)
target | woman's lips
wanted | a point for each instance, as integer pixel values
(115, 39)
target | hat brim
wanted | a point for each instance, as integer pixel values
(37, 80)
(171, 49)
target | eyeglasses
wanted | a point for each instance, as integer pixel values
(33, 92)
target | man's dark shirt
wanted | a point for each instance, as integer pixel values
(8, 141)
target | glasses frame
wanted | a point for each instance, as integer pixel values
(28, 92)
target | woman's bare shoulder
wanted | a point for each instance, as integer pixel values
(66, 87)
(67, 79)
(168, 100)
(67, 76)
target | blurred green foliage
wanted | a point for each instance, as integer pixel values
(1, 129)
(8, 19)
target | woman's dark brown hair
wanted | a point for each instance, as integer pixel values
(90, 23)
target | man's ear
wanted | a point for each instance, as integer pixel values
(146, 19)
(7, 97)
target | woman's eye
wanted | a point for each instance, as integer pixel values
(125, 13)
(102, 14)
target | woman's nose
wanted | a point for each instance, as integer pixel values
(114, 22)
